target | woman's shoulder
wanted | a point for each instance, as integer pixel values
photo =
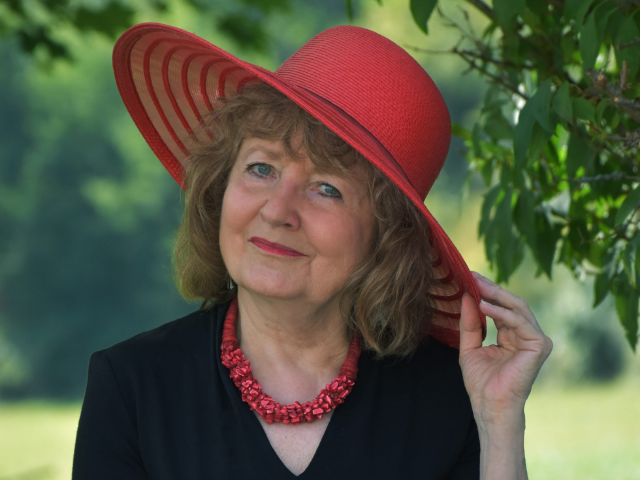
(430, 354)
(188, 336)
(431, 365)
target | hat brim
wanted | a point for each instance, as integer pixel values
(170, 80)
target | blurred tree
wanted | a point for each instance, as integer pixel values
(558, 137)
(34, 22)
(87, 214)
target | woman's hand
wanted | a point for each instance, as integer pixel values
(499, 377)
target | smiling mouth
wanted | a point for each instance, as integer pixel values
(275, 248)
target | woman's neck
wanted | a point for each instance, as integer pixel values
(293, 346)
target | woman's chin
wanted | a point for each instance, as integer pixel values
(271, 284)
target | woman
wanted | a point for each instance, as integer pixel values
(321, 270)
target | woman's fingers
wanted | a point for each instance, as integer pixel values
(521, 327)
(470, 325)
(496, 295)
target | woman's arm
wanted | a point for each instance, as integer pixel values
(107, 442)
(499, 377)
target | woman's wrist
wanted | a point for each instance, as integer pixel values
(502, 447)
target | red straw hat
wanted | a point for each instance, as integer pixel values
(362, 86)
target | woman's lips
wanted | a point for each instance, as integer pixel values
(276, 248)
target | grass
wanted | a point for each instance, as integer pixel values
(36, 440)
(590, 432)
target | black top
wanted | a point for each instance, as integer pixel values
(161, 406)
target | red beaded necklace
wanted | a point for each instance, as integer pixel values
(241, 373)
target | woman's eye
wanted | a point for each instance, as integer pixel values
(329, 191)
(261, 169)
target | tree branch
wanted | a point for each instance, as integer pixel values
(484, 8)
(630, 43)
(474, 66)
(501, 63)
(600, 178)
(600, 81)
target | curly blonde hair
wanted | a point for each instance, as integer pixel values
(386, 298)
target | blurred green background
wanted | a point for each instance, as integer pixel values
(88, 215)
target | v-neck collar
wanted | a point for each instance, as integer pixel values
(249, 420)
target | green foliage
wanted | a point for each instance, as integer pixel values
(31, 21)
(421, 11)
(557, 139)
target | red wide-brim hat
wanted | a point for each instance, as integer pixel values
(362, 86)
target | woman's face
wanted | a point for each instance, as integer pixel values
(289, 231)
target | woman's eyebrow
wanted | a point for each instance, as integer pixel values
(271, 153)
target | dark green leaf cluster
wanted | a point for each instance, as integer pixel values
(557, 139)
(34, 23)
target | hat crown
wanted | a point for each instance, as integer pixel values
(384, 89)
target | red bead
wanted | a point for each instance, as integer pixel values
(241, 373)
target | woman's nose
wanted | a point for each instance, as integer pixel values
(281, 207)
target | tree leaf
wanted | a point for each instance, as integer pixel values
(421, 11)
(535, 110)
(579, 153)
(485, 211)
(629, 204)
(593, 32)
(589, 44)
(547, 236)
(602, 284)
(475, 140)
(628, 31)
(562, 103)
(539, 138)
(487, 170)
(576, 9)
(524, 218)
(540, 104)
(629, 262)
(583, 110)
(522, 134)
(602, 106)
(505, 240)
(497, 127)
(459, 131)
(627, 307)
(507, 10)
(349, 6)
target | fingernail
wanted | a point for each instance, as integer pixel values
(484, 279)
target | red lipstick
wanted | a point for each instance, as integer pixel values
(276, 248)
